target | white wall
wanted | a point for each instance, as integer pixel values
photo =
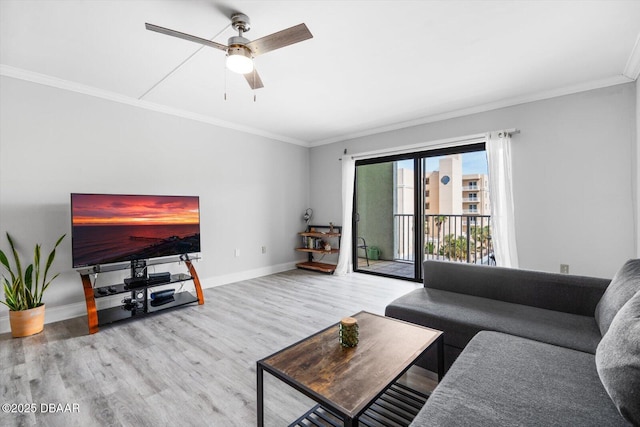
(574, 172)
(252, 190)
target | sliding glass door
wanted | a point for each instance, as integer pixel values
(385, 218)
(426, 205)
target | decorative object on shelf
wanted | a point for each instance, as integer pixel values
(349, 332)
(23, 290)
(327, 246)
(331, 227)
(308, 213)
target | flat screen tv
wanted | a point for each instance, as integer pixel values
(113, 228)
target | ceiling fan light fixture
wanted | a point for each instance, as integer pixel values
(239, 60)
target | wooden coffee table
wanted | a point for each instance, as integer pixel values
(346, 381)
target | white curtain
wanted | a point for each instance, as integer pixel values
(345, 265)
(503, 231)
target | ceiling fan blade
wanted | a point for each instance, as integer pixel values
(254, 80)
(184, 36)
(280, 39)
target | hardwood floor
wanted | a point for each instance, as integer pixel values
(193, 366)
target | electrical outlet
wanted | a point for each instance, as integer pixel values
(264, 249)
(564, 268)
(237, 252)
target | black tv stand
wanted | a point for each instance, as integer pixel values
(137, 285)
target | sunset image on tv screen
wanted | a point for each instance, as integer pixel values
(110, 228)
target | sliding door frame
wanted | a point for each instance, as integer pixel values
(418, 198)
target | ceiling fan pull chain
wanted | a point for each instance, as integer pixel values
(225, 83)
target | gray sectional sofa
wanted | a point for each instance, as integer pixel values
(529, 348)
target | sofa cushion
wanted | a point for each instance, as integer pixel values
(462, 316)
(618, 360)
(502, 380)
(623, 286)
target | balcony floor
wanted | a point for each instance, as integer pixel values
(395, 268)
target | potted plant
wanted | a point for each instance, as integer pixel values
(23, 290)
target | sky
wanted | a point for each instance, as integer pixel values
(116, 209)
(474, 162)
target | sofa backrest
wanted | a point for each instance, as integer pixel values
(552, 291)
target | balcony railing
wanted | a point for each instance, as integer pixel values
(462, 238)
(403, 226)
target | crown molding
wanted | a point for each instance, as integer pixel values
(510, 102)
(43, 79)
(632, 69)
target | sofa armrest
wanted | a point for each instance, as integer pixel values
(551, 291)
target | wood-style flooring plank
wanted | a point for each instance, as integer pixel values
(192, 366)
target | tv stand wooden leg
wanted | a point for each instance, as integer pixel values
(92, 313)
(196, 281)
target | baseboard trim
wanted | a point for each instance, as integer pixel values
(77, 309)
(212, 282)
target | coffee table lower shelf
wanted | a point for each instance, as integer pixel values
(397, 406)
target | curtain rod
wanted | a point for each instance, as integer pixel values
(441, 143)
(512, 131)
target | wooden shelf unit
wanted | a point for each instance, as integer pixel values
(319, 251)
(313, 239)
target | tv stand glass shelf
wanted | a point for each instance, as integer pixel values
(139, 296)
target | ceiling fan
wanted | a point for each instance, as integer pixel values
(241, 51)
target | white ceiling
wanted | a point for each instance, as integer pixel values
(371, 65)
